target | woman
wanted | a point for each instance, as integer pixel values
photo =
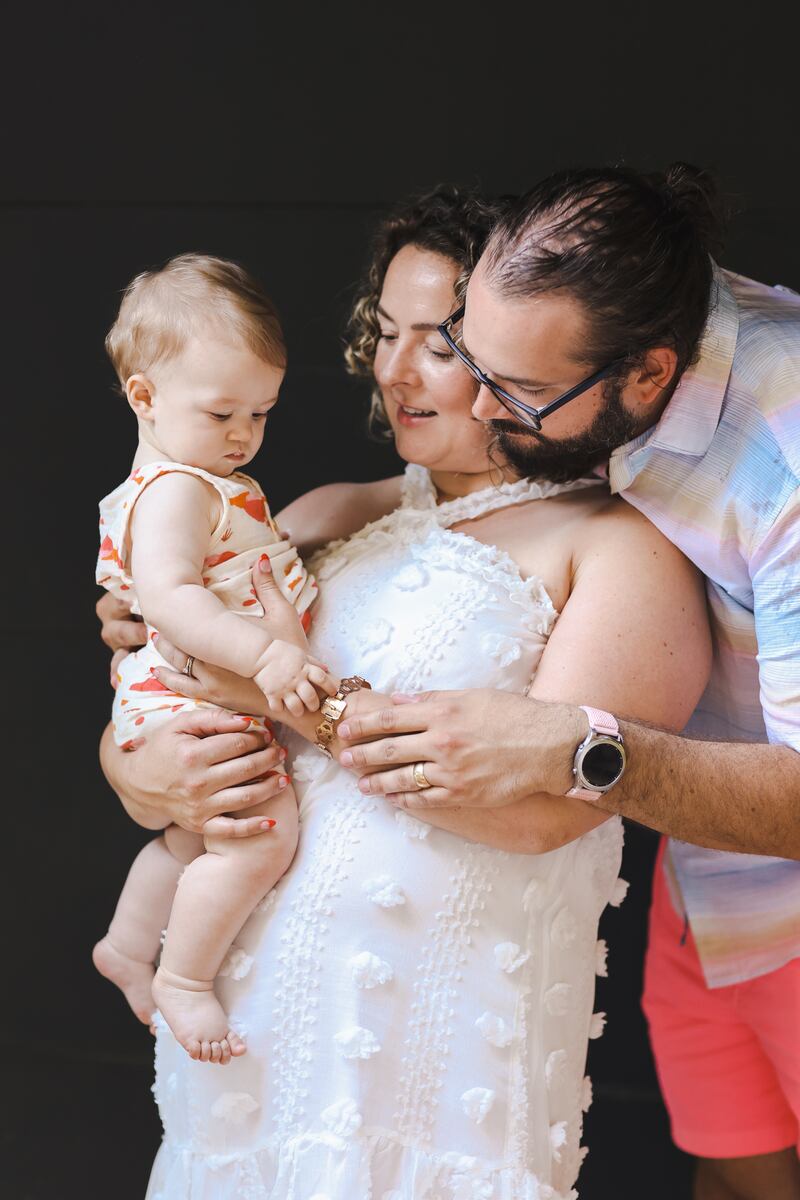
(417, 1000)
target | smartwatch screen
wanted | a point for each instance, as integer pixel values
(602, 764)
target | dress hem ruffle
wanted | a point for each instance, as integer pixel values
(323, 1165)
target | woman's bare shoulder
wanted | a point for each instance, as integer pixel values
(336, 510)
(614, 529)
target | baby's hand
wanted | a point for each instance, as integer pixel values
(289, 678)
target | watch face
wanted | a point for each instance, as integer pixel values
(602, 764)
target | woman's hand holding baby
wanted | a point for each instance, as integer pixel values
(195, 770)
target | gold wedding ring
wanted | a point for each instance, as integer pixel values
(419, 777)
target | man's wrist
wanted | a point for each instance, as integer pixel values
(565, 730)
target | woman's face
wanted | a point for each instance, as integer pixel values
(427, 393)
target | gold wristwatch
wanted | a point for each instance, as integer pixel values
(333, 707)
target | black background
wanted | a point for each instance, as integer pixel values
(132, 132)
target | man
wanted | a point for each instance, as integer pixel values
(602, 335)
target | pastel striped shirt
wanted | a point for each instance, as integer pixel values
(719, 474)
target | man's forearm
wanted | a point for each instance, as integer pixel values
(725, 795)
(113, 761)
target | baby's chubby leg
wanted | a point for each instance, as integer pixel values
(216, 895)
(127, 954)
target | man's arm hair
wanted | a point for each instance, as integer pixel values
(739, 796)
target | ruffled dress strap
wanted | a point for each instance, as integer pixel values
(419, 493)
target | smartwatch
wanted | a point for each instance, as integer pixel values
(600, 759)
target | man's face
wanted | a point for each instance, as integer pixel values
(536, 349)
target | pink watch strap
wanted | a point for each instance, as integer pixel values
(601, 722)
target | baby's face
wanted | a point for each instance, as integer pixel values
(210, 403)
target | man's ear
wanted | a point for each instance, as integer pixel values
(140, 392)
(655, 375)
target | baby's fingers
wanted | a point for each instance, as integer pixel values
(321, 679)
(294, 704)
(308, 695)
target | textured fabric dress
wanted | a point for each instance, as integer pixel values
(416, 1006)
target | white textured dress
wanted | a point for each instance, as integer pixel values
(416, 1007)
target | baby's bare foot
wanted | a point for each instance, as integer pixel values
(196, 1017)
(133, 978)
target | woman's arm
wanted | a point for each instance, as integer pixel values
(336, 510)
(632, 639)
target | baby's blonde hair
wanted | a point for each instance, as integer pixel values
(163, 309)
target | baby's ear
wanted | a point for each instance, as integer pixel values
(139, 391)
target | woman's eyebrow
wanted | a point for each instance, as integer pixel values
(418, 325)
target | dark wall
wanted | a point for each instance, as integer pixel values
(133, 132)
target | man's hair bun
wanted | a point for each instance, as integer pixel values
(693, 195)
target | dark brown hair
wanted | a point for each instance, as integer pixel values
(635, 250)
(451, 221)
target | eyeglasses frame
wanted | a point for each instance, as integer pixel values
(511, 403)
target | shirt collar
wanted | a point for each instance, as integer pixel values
(690, 420)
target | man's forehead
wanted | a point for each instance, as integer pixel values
(520, 331)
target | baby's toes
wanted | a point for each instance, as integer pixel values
(193, 1048)
(225, 1057)
(216, 1052)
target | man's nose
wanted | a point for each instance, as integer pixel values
(486, 406)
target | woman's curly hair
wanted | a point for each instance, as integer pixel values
(451, 221)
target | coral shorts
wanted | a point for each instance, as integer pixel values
(728, 1059)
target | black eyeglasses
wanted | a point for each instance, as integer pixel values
(532, 417)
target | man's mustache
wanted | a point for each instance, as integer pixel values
(515, 429)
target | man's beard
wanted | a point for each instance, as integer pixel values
(561, 460)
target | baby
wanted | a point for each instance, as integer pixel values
(200, 356)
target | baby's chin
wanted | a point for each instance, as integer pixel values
(223, 466)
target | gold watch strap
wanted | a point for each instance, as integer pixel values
(332, 709)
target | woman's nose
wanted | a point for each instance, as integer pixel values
(398, 367)
(486, 406)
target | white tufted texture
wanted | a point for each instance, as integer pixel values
(417, 1007)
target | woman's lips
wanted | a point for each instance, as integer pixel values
(411, 416)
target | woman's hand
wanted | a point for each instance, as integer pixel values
(222, 687)
(120, 630)
(207, 682)
(195, 768)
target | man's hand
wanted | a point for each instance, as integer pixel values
(195, 768)
(478, 748)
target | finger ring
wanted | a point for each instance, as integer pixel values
(187, 670)
(419, 777)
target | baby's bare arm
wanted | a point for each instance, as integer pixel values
(170, 529)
